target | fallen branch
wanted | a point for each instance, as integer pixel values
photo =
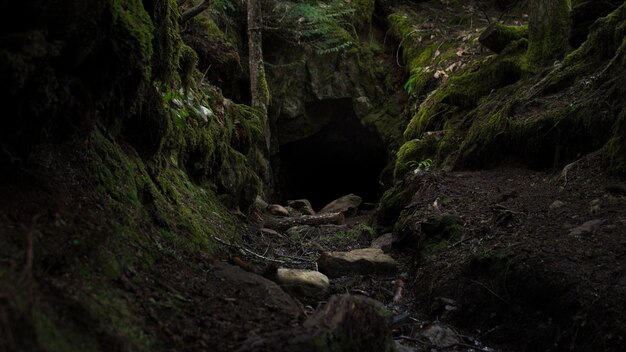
(281, 224)
(194, 11)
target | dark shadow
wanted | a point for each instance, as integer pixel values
(343, 157)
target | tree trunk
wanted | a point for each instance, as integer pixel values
(548, 30)
(258, 83)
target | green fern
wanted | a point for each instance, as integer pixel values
(320, 27)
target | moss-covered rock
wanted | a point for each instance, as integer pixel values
(463, 91)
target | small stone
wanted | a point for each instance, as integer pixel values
(278, 210)
(348, 205)
(270, 232)
(307, 283)
(441, 336)
(588, 227)
(594, 206)
(359, 261)
(383, 242)
(557, 204)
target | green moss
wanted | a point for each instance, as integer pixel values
(392, 203)
(462, 93)
(187, 65)
(486, 141)
(132, 35)
(498, 36)
(111, 312)
(248, 126)
(167, 42)
(363, 12)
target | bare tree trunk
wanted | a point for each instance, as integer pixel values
(258, 82)
(548, 30)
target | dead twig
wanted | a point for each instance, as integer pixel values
(491, 291)
(246, 250)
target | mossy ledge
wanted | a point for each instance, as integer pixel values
(488, 112)
(131, 161)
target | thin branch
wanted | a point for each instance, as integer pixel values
(248, 251)
(491, 291)
(194, 11)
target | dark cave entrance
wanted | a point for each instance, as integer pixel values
(343, 157)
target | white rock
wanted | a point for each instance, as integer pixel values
(557, 204)
(305, 282)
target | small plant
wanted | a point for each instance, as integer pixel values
(421, 166)
(409, 86)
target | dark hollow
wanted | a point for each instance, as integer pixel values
(343, 157)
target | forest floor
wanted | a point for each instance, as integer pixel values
(537, 265)
(536, 262)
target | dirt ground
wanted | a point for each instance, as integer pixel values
(539, 262)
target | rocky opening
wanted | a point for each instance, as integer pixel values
(342, 157)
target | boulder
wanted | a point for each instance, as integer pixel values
(348, 205)
(302, 282)
(359, 261)
(257, 287)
